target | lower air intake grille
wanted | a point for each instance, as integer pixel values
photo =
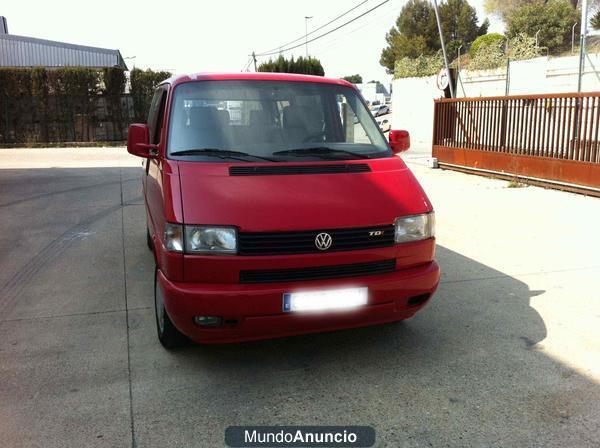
(317, 273)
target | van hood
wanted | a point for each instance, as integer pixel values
(255, 203)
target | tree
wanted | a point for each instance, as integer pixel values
(354, 79)
(504, 8)
(416, 31)
(307, 66)
(596, 20)
(459, 23)
(413, 35)
(553, 20)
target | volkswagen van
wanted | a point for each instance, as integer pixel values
(275, 206)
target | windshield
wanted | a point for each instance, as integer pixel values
(225, 121)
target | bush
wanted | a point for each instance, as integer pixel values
(418, 67)
(523, 47)
(114, 87)
(492, 54)
(492, 40)
(143, 83)
(65, 104)
(354, 79)
(306, 66)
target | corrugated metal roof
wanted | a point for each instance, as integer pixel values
(21, 51)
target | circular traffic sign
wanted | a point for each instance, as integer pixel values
(443, 80)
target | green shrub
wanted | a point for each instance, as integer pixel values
(354, 79)
(306, 66)
(492, 54)
(523, 46)
(423, 65)
(63, 104)
(143, 83)
(492, 40)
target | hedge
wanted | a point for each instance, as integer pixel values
(143, 83)
(72, 103)
(306, 66)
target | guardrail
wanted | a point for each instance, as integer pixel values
(551, 138)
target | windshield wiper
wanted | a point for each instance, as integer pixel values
(217, 152)
(318, 151)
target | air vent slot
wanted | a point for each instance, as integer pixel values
(273, 170)
(318, 273)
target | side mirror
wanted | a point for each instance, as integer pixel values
(138, 142)
(399, 141)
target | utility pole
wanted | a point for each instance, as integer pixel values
(254, 59)
(584, 11)
(439, 24)
(458, 74)
(306, 19)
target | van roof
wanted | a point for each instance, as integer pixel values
(268, 76)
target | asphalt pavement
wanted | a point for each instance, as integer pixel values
(507, 354)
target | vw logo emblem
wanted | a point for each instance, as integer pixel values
(323, 241)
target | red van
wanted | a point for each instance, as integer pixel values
(275, 207)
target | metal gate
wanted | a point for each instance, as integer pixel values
(550, 139)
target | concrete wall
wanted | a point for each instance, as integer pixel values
(412, 107)
(412, 98)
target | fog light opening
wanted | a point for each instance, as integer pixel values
(417, 300)
(208, 321)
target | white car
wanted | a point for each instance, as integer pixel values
(384, 124)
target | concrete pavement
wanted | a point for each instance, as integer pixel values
(506, 355)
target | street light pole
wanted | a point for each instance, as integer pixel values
(439, 24)
(132, 59)
(306, 19)
(573, 38)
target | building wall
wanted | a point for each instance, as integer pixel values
(412, 98)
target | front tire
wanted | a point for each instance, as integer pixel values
(168, 335)
(149, 241)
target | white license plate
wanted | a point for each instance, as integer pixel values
(332, 299)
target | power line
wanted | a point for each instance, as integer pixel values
(317, 29)
(342, 38)
(247, 64)
(328, 32)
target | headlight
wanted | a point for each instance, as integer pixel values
(173, 237)
(415, 228)
(210, 240)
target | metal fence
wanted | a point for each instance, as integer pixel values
(553, 137)
(35, 119)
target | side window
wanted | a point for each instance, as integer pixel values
(155, 115)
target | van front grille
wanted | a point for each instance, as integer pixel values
(318, 273)
(285, 243)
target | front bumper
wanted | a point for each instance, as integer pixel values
(254, 311)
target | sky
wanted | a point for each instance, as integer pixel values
(193, 36)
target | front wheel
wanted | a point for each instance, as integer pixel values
(149, 241)
(169, 336)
